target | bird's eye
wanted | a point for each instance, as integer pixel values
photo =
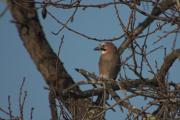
(103, 47)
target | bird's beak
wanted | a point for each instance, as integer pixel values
(98, 48)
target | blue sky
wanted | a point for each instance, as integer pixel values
(77, 52)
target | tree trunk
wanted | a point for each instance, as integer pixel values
(47, 62)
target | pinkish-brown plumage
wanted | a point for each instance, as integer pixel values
(109, 62)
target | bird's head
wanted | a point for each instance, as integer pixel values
(106, 47)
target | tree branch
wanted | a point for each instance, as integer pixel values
(33, 38)
(168, 61)
(157, 10)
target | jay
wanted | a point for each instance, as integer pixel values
(109, 63)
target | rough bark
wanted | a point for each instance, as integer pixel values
(34, 40)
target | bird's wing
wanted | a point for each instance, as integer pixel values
(115, 67)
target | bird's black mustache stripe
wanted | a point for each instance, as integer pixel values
(100, 48)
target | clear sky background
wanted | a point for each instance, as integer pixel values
(77, 52)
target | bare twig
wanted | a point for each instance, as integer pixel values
(9, 108)
(116, 37)
(22, 99)
(31, 114)
(4, 11)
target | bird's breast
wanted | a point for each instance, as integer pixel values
(109, 66)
